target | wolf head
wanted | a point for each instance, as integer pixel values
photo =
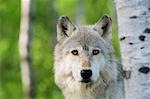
(83, 54)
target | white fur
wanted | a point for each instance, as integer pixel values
(68, 78)
(106, 80)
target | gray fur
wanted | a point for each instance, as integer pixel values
(109, 84)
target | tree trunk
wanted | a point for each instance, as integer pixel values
(79, 19)
(134, 34)
(53, 21)
(24, 49)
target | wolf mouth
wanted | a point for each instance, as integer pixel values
(86, 80)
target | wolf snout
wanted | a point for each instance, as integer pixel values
(86, 75)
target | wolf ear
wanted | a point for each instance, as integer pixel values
(104, 27)
(64, 28)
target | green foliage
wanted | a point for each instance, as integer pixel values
(96, 9)
(66, 7)
(10, 79)
(43, 34)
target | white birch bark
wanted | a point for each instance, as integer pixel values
(24, 46)
(134, 33)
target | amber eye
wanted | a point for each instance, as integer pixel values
(95, 52)
(74, 52)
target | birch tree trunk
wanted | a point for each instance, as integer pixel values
(24, 49)
(134, 33)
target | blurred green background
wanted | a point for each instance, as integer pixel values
(44, 17)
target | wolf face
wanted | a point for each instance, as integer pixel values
(82, 51)
(83, 59)
(85, 65)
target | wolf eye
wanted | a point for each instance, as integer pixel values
(74, 52)
(95, 52)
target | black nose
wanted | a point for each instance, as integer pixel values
(86, 74)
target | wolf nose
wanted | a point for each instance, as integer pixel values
(86, 74)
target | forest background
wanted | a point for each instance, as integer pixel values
(44, 18)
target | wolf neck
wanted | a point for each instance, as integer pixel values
(87, 92)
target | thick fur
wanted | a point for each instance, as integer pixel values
(106, 80)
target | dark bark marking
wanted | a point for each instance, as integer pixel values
(142, 47)
(144, 13)
(127, 74)
(144, 70)
(133, 17)
(147, 30)
(131, 43)
(123, 38)
(142, 37)
(148, 8)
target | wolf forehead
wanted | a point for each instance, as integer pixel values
(84, 37)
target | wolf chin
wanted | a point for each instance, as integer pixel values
(85, 65)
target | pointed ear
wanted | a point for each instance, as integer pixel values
(64, 28)
(104, 27)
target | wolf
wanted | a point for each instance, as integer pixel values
(85, 66)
